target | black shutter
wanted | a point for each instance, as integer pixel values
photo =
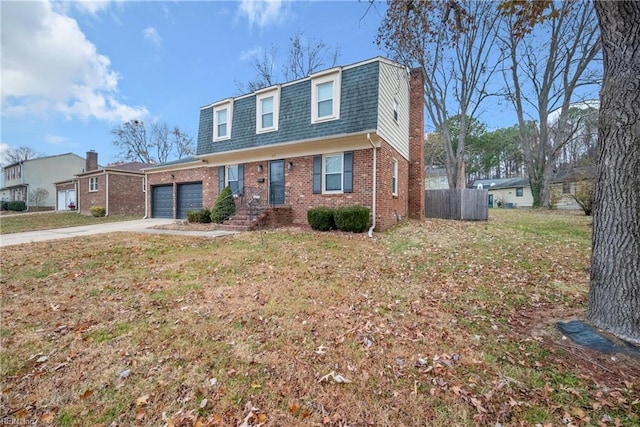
(347, 179)
(240, 179)
(220, 179)
(317, 174)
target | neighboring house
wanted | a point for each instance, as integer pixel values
(28, 175)
(119, 188)
(345, 136)
(436, 178)
(565, 185)
(507, 192)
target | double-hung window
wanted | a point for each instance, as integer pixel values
(93, 184)
(519, 191)
(232, 179)
(325, 96)
(222, 116)
(267, 108)
(394, 178)
(333, 173)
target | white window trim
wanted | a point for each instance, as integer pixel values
(92, 180)
(324, 174)
(263, 94)
(336, 78)
(226, 105)
(394, 178)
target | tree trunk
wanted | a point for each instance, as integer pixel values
(614, 294)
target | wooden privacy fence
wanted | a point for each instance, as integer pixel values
(465, 204)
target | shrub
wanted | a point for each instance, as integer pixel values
(98, 211)
(224, 206)
(203, 216)
(354, 219)
(321, 219)
(17, 205)
(4, 205)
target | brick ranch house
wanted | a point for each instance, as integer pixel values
(345, 136)
(119, 188)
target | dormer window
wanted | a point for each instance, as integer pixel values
(325, 96)
(267, 109)
(222, 114)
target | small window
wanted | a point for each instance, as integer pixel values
(519, 191)
(332, 168)
(267, 106)
(232, 178)
(325, 97)
(222, 114)
(394, 177)
(395, 110)
(566, 188)
(93, 184)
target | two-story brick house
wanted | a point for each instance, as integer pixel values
(345, 136)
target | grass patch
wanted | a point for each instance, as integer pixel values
(46, 221)
(432, 323)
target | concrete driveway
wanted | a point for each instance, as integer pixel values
(137, 226)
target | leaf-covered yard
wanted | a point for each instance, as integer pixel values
(433, 323)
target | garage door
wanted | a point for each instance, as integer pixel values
(162, 201)
(189, 198)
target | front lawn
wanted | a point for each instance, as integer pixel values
(49, 220)
(435, 323)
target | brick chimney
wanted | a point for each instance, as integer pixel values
(92, 161)
(416, 144)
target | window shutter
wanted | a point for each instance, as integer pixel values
(240, 179)
(348, 172)
(317, 174)
(220, 179)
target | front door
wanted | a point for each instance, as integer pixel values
(490, 200)
(276, 182)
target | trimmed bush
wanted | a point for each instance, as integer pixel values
(202, 216)
(224, 207)
(98, 211)
(354, 219)
(4, 205)
(321, 219)
(17, 205)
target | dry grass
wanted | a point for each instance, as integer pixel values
(433, 323)
(45, 221)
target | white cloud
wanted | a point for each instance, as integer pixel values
(151, 35)
(49, 67)
(55, 139)
(262, 13)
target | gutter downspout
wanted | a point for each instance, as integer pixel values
(375, 190)
(146, 196)
(106, 193)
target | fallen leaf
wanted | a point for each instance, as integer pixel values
(87, 394)
(47, 417)
(140, 414)
(142, 400)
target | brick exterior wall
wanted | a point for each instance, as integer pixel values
(416, 145)
(126, 196)
(87, 199)
(299, 194)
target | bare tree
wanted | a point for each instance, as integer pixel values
(157, 145)
(544, 75)
(304, 58)
(458, 62)
(37, 196)
(19, 154)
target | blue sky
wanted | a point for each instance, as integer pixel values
(71, 71)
